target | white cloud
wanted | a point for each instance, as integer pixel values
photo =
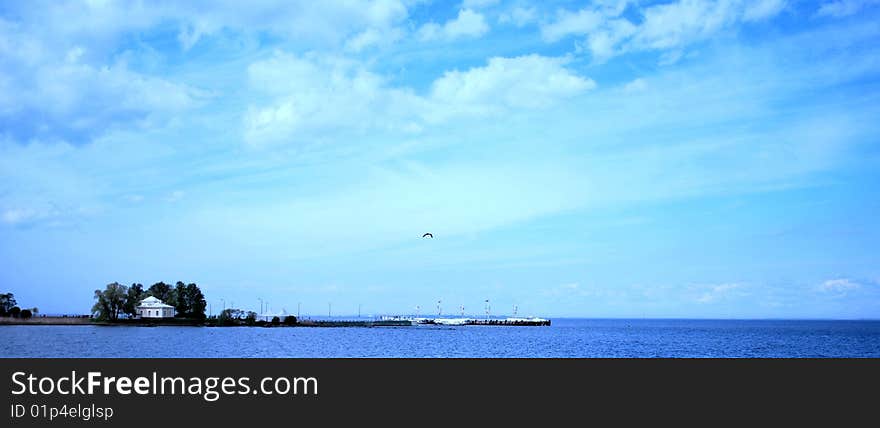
(530, 81)
(313, 93)
(478, 4)
(319, 22)
(322, 22)
(467, 24)
(674, 24)
(762, 9)
(636, 85)
(519, 16)
(63, 68)
(373, 37)
(64, 92)
(718, 292)
(840, 285)
(572, 23)
(18, 215)
(604, 44)
(316, 93)
(841, 8)
(49, 214)
(175, 196)
(686, 21)
(662, 27)
(670, 57)
(102, 22)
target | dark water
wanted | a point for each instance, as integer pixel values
(565, 338)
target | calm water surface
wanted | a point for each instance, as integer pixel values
(565, 338)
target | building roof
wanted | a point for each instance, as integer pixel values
(153, 303)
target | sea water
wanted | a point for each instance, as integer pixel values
(565, 338)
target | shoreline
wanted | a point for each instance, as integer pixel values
(72, 321)
(180, 322)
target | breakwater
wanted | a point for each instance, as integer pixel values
(355, 323)
(533, 321)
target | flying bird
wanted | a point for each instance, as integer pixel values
(428, 235)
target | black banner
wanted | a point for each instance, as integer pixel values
(247, 392)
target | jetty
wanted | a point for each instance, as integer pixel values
(355, 323)
(513, 321)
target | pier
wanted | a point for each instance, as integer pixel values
(533, 321)
(356, 323)
(405, 321)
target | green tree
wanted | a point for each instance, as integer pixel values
(191, 302)
(135, 294)
(25, 314)
(229, 316)
(196, 301)
(7, 301)
(110, 302)
(181, 303)
(161, 291)
(14, 311)
(199, 303)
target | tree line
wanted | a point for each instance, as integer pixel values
(117, 299)
(9, 307)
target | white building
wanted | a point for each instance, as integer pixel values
(152, 307)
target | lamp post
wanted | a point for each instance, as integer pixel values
(261, 305)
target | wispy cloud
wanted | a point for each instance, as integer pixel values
(663, 26)
(175, 196)
(715, 293)
(842, 8)
(468, 23)
(317, 94)
(840, 285)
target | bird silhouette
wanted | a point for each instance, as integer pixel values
(428, 235)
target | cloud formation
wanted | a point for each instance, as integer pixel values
(468, 23)
(315, 93)
(842, 8)
(840, 285)
(715, 293)
(607, 33)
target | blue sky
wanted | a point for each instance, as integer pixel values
(597, 159)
